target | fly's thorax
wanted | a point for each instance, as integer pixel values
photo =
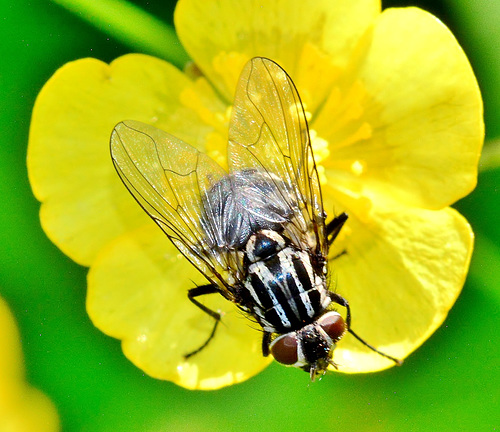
(283, 286)
(311, 347)
(263, 245)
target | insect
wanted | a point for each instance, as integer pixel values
(258, 233)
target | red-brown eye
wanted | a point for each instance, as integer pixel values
(334, 325)
(284, 349)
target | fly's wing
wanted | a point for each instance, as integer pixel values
(269, 132)
(168, 177)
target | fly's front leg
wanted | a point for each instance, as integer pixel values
(266, 340)
(196, 292)
(337, 298)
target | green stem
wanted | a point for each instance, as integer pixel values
(130, 25)
(490, 158)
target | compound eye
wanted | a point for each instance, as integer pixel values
(334, 325)
(284, 349)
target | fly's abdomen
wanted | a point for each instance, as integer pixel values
(285, 291)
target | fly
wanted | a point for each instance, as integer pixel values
(258, 233)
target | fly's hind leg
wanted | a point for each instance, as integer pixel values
(333, 229)
(196, 292)
(334, 226)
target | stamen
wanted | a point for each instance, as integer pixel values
(358, 167)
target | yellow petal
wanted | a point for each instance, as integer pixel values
(22, 407)
(84, 203)
(414, 115)
(138, 293)
(402, 272)
(233, 32)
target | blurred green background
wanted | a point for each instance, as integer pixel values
(450, 384)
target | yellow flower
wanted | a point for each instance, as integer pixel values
(396, 121)
(22, 407)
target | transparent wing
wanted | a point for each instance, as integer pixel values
(168, 178)
(269, 132)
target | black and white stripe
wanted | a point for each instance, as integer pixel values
(284, 291)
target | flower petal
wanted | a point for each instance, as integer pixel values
(84, 204)
(233, 32)
(138, 293)
(420, 129)
(401, 275)
(22, 407)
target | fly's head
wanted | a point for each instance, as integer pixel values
(311, 347)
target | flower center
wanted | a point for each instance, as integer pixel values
(339, 134)
(342, 124)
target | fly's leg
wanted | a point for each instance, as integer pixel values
(343, 302)
(334, 226)
(266, 340)
(333, 230)
(196, 292)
